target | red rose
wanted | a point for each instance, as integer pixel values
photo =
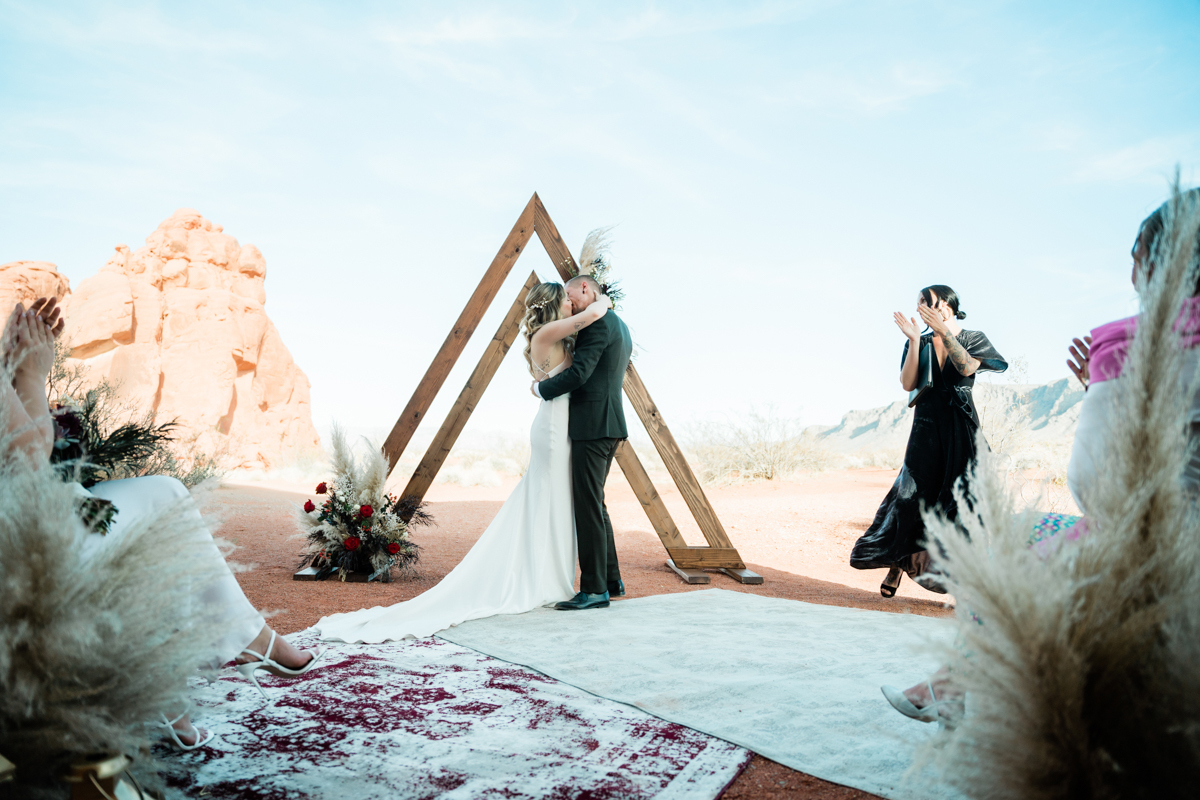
(309, 507)
(351, 543)
(366, 511)
(393, 548)
(321, 487)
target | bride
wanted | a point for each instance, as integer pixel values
(526, 557)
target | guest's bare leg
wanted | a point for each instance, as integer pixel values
(943, 687)
(284, 651)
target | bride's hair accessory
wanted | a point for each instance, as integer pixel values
(595, 262)
(543, 304)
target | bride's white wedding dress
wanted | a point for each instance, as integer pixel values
(525, 558)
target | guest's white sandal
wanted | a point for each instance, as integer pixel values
(906, 707)
(203, 737)
(274, 667)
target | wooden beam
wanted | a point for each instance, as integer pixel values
(647, 495)
(677, 465)
(743, 576)
(556, 248)
(692, 576)
(443, 362)
(456, 420)
(705, 557)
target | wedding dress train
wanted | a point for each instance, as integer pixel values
(525, 558)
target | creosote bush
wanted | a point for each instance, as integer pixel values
(761, 447)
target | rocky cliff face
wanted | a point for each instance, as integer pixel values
(180, 326)
(25, 281)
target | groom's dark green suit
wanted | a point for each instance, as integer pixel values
(597, 425)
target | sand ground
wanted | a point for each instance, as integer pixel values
(796, 534)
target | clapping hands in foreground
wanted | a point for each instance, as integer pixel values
(1080, 350)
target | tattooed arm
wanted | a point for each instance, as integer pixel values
(562, 328)
(964, 362)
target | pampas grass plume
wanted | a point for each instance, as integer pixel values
(1082, 666)
(91, 648)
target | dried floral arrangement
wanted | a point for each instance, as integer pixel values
(358, 527)
(595, 260)
(88, 452)
(64, 615)
(1083, 670)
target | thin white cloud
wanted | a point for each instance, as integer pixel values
(116, 27)
(1152, 160)
(884, 91)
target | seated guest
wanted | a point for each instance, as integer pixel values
(28, 355)
(1096, 361)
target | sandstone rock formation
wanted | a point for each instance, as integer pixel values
(180, 326)
(25, 281)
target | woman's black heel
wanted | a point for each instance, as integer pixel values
(892, 582)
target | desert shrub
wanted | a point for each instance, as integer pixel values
(763, 446)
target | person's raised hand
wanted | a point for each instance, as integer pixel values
(607, 300)
(48, 309)
(1081, 353)
(933, 319)
(907, 326)
(33, 355)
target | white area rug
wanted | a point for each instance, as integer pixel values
(432, 719)
(796, 682)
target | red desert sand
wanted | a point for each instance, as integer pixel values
(797, 535)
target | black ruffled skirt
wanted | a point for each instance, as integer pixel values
(941, 449)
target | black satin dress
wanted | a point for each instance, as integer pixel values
(941, 448)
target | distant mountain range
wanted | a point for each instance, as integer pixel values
(1022, 419)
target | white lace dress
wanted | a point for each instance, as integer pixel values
(525, 558)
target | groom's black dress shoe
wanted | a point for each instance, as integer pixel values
(582, 601)
(616, 588)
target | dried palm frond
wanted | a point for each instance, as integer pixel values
(91, 647)
(1082, 666)
(94, 447)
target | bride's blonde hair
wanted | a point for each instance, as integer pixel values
(543, 305)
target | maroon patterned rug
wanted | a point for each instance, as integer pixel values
(427, 718)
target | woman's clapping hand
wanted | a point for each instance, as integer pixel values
(1080, 350)
(933, 318)
(907, 326)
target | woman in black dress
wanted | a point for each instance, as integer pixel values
(941, 446)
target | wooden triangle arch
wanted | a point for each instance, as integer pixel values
(687, 562)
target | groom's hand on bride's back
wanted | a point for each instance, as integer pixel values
(533, 390)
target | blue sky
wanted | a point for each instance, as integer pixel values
(783, 176)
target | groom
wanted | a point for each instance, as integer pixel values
(597, 426)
